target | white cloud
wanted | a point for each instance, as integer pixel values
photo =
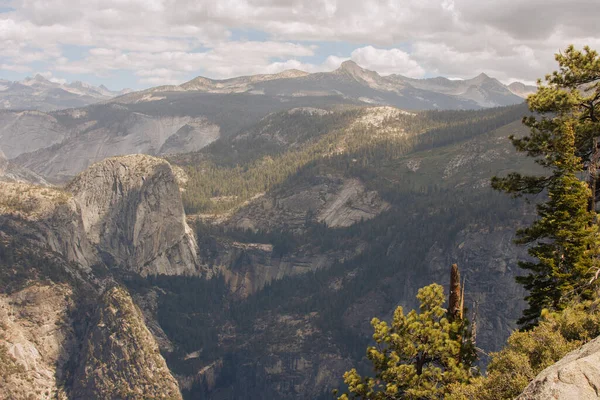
(15, 68)
(460, 38)
(393, 61)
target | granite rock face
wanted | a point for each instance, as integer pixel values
(120, 358)
(36, 341)
(49, 215)
(575, 377)
(132, 212)
(335, 201)
(9, 172)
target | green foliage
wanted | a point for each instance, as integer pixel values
(417, 357)
(565, 237)
(220, 181)
(528, 353)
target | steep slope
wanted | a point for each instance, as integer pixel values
(124, 211)
(62, 334)
(94, 134)
(120, 358)
(49, 215)
(132, 213)
(36, 341)
(26, 131)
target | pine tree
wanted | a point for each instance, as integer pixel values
(563, 139)
(418, 356)
(565, 235)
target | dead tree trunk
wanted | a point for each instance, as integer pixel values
(455, 302)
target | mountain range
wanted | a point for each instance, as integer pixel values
(349, 80)
(352, 81)
(186, 118)
(39, 93)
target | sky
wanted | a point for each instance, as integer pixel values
(143, 43)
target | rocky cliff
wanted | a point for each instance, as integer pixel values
(575, 377)
(333, 200)
(50, 215)
(36, 341)
(61, 144)
(120, 358)
(54, 254)
(132, 213)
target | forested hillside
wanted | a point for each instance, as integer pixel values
(232, 170)
(431, 168)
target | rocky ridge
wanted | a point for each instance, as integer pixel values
(36, 341)
(120, 358)
(56, 299)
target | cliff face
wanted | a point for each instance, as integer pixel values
(333, 200)
(36, 340)
(132, 212)
(248, 267)
(575, 377)
(51, 216)
(125, 211)
(120, 358)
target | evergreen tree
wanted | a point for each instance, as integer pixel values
(563, 139)
(417, 357)
(565, 235)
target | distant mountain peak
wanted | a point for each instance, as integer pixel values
(521, 89)
(350, 66)
(352, 69)
(37, 79)
(40, 78)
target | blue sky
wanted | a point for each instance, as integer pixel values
(142, 43)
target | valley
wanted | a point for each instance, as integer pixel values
(258, 252)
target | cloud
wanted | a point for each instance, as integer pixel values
(505, 38)
(393, 61)
(15, 68)
(50, 76)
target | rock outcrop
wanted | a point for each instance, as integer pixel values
(125, 212)
(36, 340)
(335, 201)
(50, 215)
(132, 212)
(575, 377)
(120, 358)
